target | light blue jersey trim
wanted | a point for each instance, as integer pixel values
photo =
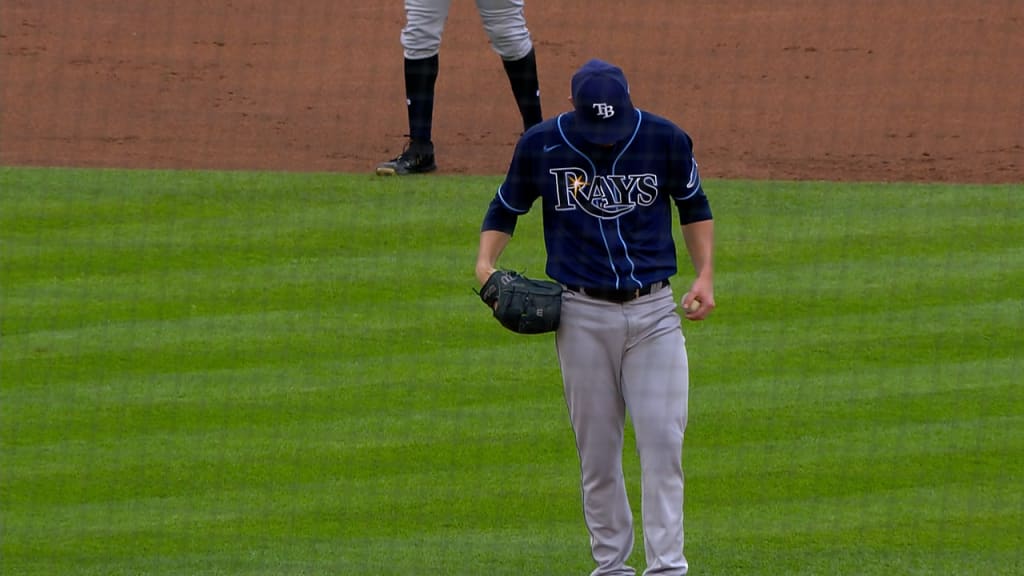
(636, 130)
(508, 206)
(694, 183)
(625, 251)
(618, 225)
(561, 132)
(593, 175)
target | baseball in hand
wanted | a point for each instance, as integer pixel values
(694, 305)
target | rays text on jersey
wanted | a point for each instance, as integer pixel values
(607, 196)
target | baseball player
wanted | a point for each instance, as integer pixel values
(608, 175)
(505, 24)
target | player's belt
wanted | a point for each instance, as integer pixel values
(618, 296)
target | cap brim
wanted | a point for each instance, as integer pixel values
(606, 131)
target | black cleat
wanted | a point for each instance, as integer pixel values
(416, 158)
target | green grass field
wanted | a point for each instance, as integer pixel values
(289, 374)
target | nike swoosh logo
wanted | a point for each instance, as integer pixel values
(550, 148)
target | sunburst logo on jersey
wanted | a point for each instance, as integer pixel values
(577, 183)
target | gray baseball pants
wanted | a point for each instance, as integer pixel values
(503, 20)
(619, 359)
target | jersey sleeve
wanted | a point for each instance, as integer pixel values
(687, 190)
(516, 194)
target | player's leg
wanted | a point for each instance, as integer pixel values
(589, 341)
(421, 44)
(655, 386)
(505, 24)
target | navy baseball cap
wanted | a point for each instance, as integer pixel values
(604, 111)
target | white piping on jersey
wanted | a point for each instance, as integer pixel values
(625, 249)
(618, 225)
(694, 182)
(507, 205)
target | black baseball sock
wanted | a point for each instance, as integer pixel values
(522, 75)
(420, 77)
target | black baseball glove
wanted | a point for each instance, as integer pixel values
(522, 304)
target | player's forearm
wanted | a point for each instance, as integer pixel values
(700, 240)
(492, 244)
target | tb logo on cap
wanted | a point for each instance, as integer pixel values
(604, 110)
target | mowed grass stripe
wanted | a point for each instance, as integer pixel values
(213, 373)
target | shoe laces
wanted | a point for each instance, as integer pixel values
(414, 150)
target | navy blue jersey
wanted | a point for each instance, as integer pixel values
(607, 209)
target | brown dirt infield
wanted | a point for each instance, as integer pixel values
(907, 90)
